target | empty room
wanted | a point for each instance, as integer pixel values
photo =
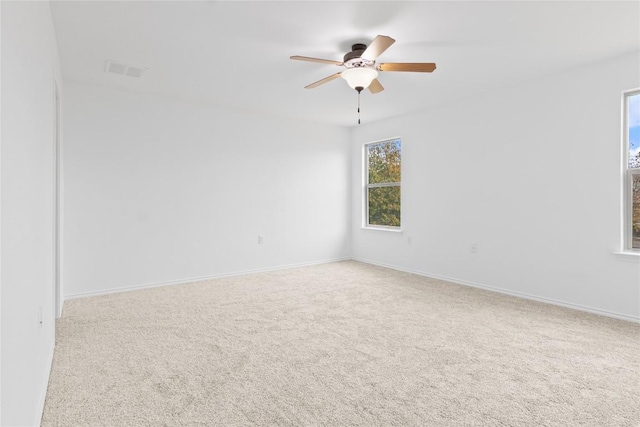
(320, 213)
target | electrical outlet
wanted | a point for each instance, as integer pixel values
(409, 240)
(260, 240)
(474, 248)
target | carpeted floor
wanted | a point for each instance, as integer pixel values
(338, 344)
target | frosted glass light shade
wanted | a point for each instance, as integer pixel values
(359, 77)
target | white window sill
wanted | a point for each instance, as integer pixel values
(392, 230)
(628, 256)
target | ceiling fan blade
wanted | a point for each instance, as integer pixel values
(377, 46)
(375, 86)
(306, 58)
(323, 81)
(419, 67)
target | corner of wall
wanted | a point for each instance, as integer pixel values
(30, 66)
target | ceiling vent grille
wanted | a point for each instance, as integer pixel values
(123, 69)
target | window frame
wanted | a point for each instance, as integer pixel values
(628, 174)
(367, 186)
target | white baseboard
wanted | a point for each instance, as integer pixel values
(43, 392)
(199, 279)
(506, 292)
(393, 267)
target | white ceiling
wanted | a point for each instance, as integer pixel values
(236, 54)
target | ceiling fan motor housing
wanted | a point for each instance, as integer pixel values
(353, 59)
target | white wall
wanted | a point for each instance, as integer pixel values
(160, 190)
(29, 64)
(531, 174)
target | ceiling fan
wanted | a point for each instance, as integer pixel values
(361, 70)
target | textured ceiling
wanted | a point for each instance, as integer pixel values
(236, 54)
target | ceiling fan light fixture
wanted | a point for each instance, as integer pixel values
(359, 77)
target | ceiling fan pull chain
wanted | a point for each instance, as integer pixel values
(359, 106)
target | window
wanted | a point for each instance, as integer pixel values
(632, 165)
(382, 189)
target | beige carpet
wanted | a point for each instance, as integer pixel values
(338, 344)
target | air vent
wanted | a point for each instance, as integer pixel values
(124, 69)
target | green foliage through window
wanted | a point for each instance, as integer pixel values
(383, 183)
(632, 123)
